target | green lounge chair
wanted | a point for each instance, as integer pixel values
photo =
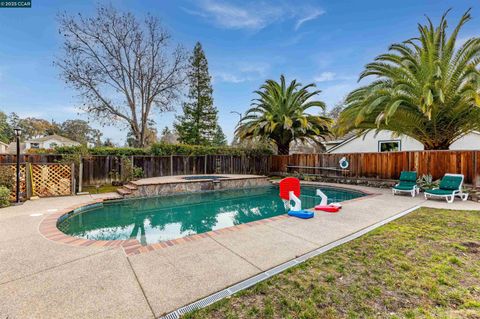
(407, 184)
(450, 186)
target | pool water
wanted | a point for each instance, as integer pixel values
(152, 220)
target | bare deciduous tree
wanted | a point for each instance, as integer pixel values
(124, 70)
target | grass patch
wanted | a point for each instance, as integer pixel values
(101, 189)
(424, 265)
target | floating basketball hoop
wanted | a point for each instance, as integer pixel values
(290, 192)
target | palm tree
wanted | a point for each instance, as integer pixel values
(279, 115)
(426, 88)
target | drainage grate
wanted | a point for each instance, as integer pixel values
(247, 283)
(171, 315)
(260, 277)
(307, 256)
(204, 302)
(281, 268)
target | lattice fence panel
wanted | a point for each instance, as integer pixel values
(51, 180)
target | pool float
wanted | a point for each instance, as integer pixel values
(303, 214)
(329, 208)
(290, 192)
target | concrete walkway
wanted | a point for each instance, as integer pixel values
(40, 278)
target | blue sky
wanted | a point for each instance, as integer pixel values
(246, 42)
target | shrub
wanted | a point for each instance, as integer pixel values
(4, 196)
(138, 172)
(7, 176)
(161, 149)
(427, 182)
(158, 149)
(103, 150)
(129, 171)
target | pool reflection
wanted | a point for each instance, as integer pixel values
(152, 220)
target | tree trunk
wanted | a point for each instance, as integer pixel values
(437, 146)
(283, 148)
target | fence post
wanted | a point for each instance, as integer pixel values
(80, 174)
(205, 165)
(72, 175)
(28, 179)
(171, 165)
(475, 172)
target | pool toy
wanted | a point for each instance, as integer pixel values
(343, 162)
(324, 206)
(303, 214)
(290, 192)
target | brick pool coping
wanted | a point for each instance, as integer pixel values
(49, 230)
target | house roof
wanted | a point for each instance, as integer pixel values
(4, 144)
(12, 147)
(341, 139)
(52, 137)
(347, 138)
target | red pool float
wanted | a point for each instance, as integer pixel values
(328, 208)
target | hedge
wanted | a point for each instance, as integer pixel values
(183, 149)
(4, 196)
(158, 149)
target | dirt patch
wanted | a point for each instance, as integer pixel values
(472, 247)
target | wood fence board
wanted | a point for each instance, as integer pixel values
(104, 169)
(386, 165)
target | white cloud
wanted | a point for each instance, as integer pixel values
(228, 77)
(336, 93)
(241, 71)
(315, 14)
(259, 68)
(332, 76)
(253, 16)
(325, 76)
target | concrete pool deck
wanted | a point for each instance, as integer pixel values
(40, 278)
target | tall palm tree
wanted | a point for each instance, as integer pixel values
(279, 115)
(426, 88)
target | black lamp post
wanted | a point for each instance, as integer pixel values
(238, 113)
(18, 132)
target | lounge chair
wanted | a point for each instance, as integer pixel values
(450, 186)
(407, 184)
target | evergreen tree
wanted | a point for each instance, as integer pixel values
(199, 122)
(219, 138)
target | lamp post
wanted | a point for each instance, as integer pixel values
(238, 113)
(18, 132)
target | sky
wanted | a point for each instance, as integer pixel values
(246, 42)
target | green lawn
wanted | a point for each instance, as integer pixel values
(101, 189)
(425, 265)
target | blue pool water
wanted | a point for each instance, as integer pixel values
(152, 220)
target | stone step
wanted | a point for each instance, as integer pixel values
(124, 191)
(130, 187)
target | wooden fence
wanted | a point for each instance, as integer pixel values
(105, 169)
(384, 165)
(97, 170)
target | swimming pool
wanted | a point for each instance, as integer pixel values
(152, 220)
